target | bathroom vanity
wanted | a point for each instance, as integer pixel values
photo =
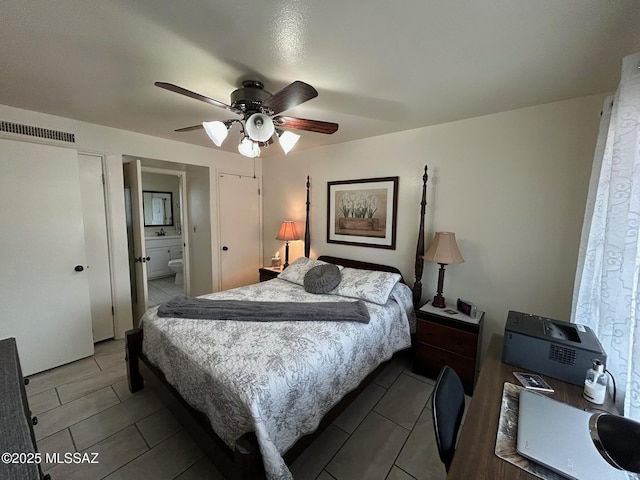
(160, 250)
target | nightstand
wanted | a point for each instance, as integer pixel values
(267, 273)
(445, 338)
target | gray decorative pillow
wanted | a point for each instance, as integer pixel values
(322, 278)
(297, 269)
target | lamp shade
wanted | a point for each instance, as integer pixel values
(217, 131)
(444, 249)
(288, 140)
(249, 148)
(288, 232)
(617, 440)
(259, 127)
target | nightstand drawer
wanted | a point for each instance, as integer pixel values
(447, 338)
(429, 360)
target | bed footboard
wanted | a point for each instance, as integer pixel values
(244, 462)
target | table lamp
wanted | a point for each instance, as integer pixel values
(443, 250)
(617, 440)
(287, 233)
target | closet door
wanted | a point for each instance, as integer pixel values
(96, 246)
(239, 230)
(44, 287)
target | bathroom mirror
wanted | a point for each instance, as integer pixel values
(158, 208)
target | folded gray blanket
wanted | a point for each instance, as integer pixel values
(244, 310)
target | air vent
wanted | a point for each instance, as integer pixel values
(32, 131)
(564, 355)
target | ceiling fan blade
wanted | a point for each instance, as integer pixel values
(290, 96)
(189, 129)
(303, 124)
(183, 91)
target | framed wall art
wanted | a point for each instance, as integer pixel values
(363, 212)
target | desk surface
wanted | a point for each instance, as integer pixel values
(475, 457)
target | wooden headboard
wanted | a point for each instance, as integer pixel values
(419, 260)
(346, 262)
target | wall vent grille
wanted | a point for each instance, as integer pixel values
(32, 131)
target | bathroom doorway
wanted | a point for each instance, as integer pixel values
(164, 234)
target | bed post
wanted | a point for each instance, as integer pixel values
(247, 464)
(307, 233)
(133, 348)
(417, 286)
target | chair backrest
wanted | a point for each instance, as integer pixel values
(447, 404)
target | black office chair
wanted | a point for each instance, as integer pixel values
(447, 404)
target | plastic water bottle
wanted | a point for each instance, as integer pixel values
(595, 383)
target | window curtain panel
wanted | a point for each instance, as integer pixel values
(607, 291)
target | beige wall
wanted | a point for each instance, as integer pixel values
(511, 185)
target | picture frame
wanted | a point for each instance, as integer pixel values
(363, 212)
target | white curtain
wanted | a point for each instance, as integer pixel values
(607, 288)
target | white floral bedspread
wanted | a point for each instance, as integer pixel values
(277, 378)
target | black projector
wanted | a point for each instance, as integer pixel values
(558, 349)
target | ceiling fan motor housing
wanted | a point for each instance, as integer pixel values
(248, 98)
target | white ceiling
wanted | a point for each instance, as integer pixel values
(379, 66)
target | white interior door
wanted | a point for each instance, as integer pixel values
(96, 245)
(239, 230)
(45, 300)
(133, 180)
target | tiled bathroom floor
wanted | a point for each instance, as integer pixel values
(162, 290)
(85, 406)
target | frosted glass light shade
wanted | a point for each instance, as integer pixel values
(259, 127)
(288, 140)
(249, 148)
(217, 131)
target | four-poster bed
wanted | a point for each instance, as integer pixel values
(270, 388)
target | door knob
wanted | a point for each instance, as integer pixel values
(79, 268)
(225, 248)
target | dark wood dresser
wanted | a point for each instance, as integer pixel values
(445, 338)
(20, 457)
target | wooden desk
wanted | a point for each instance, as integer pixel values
(475, 457)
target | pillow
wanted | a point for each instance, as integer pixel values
(322, 278)
(296, 270)
(369, 285)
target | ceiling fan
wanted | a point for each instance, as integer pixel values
(257, 108)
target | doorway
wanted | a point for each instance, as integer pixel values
(162, 203)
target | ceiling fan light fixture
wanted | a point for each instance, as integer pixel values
(257, 108)
(217, 131)
(287, 140)
(249, 148)
(259, 127)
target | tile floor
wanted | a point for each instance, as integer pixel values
(85, 406)
(162, 290)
